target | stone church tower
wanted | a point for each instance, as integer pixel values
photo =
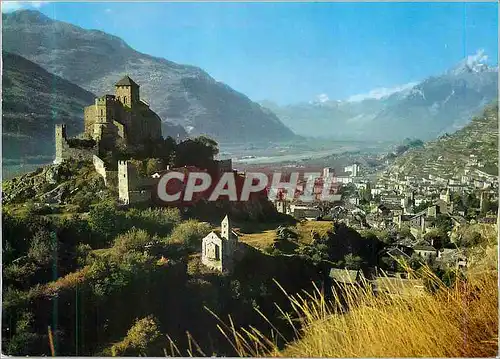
(127, 92)
(225, 228)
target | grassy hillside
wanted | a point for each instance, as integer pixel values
(449, 154)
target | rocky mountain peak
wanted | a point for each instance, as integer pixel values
(27, 16)
(473, 64)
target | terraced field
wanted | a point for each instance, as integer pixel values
(448, 155)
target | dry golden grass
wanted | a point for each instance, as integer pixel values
(266, 237)
(461, 321)
(452, 323)
(259, 240)
(304, 229)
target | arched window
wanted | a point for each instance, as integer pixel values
(125, 99)
(101, 112)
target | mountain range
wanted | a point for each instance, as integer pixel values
(86, 63)
(425, 110)
(181, 94)
(33, 101)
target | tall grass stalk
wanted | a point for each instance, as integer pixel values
(456, 321)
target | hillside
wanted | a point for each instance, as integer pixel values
(33, 101)
(425, 110)
(450, 154)
(182, 94)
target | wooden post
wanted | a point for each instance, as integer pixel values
(51, 342)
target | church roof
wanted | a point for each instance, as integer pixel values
(126, 81)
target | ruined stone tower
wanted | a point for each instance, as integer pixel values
(60, 142)
(132, 188)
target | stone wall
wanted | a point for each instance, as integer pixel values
(112, 179)
(100, 168)
(133, 188)
(120, 129)
(65, 152)
(139, 196)
(89, 115)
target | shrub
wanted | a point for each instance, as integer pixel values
(105, 220)
(134, 240)
(19, 273)
(353, 262)
(438, 237)
(82, 252)
(159, 221)
(469, 239)
(190, 233)
(42, 247)
(108, 274)
(22, 342)
(153, 165)
(141, 340)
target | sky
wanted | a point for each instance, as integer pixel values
(297, 52)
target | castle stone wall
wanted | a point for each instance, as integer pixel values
(89, 118)
(112, 179)
(100, 168)
(65, 152)
(133, 188)
(139, 196)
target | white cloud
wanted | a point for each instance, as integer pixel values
(381, 92)
(9, 6)
(322, 98)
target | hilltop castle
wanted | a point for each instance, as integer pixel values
(112, 123)
(120, 119)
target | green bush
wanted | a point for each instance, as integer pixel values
(153, 165)
(109, 274)
(158, 221)
(190, 233)
(19, 273)
(105, 220)
(134, 240)
(82, 252)
(23, 339)
(142, 339)
(42, 248)
(353, 262)
(469, 239)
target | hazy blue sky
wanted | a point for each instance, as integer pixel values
(290, 52)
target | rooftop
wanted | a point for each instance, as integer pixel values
(126, 81)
